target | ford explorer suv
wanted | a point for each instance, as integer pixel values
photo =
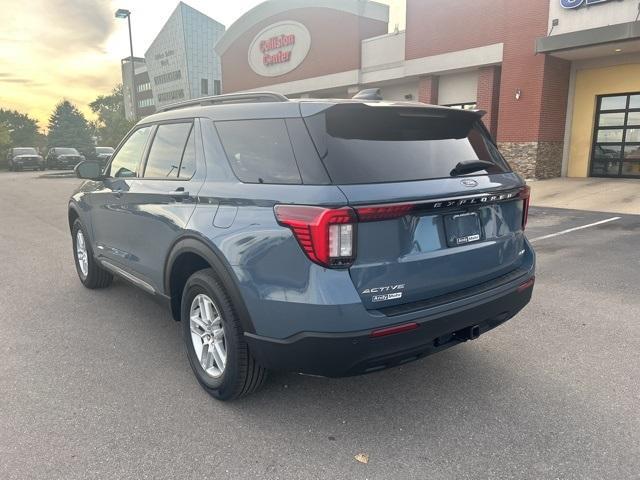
(63, 157)
(326, 237)
(21, 158)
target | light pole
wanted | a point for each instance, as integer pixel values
(123, 13)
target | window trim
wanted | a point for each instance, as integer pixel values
(143, 163)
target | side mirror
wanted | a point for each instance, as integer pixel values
(88, 171)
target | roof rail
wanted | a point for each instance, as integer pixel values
(248, 97)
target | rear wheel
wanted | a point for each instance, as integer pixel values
(217, 352)
(91, 274)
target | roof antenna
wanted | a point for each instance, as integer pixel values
(368, 94)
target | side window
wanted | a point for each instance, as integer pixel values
(188, 164)
(166, 153)
(259, 151)
(125, 163)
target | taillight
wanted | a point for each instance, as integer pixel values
(383, 212)
(525, 195)
(327, 235)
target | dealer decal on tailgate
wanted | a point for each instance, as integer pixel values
(383, 294)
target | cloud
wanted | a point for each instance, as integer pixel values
(77, 24)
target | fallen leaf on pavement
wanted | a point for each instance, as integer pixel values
(362, 458)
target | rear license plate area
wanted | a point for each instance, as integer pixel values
(462, 229)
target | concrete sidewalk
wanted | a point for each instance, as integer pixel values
(594, 194)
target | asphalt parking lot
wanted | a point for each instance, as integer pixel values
(95, 384)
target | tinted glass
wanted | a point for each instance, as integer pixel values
(632, 152)
(125, 163)
(188, 164)
(259, 151)
(166, 150)
(361, 144)
(631, 169)
(67, 151)
(25, 151)
(614, 103)
(104, 150)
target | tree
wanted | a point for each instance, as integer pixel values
(112, 125)
(69, 128)
(23, 130)
(5, 137)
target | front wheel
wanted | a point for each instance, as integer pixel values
(217, 352)
(91, 274)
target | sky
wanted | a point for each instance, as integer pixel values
(71, 49)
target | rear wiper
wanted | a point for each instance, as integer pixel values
(470, 166)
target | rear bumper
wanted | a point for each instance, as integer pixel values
(344, 354)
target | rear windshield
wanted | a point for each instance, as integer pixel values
(364, 144)
(24, 151)
(67, 151)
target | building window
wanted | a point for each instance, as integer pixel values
(464, 106)
(616, 138)
(143, 87)
(204, 86)
(147, 102)
(167, 77)
(173, 95)
(216, 87)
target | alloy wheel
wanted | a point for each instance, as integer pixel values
(207, 335)
(81, 253)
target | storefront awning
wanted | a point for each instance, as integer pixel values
(591, 42)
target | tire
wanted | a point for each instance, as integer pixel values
(95, 276)
(241, 374)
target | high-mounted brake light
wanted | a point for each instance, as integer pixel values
(525, 195)
(327, 235)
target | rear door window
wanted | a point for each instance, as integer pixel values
(167, 152)
(259, 151)
(363, 144)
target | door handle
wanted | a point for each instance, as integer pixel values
(179, 193)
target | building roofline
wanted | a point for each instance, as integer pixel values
(361, 8)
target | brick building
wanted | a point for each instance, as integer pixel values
(559, 79)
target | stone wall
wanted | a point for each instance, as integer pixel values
(534, 159)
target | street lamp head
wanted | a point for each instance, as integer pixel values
(122, 13)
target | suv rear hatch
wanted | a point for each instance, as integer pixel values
(438, 210)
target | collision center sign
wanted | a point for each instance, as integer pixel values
(279, 48)
(568, 4)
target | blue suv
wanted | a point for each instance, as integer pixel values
(327, 237)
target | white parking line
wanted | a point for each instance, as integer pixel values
(569, 230)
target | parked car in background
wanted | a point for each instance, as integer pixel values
(20, 158)
(102, 155)
(327, 237)
(63, 157)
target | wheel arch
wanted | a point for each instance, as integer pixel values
(73, 215)
(197, 250)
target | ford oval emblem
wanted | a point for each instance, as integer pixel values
(469, 183)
